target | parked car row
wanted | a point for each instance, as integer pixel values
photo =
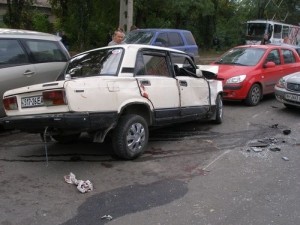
(119, 92)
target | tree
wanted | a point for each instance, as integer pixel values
(18, 14)
(87, 22)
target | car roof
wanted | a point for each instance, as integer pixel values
(267, 46)
(140, 46)
(134, 48)
(285, 45)
(19, 33)
(160, 30)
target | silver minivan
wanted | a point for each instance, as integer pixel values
(29, 57)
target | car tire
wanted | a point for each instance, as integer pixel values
(254, 95)
(219, 110)
(66, 139)
(130, 137)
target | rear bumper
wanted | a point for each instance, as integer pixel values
(78, 122)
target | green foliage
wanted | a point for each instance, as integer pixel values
(18, 14)
(40, 22)
(90, 23)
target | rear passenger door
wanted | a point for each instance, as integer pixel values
(16, 69)
(157, 83)
(290, 62)
(171, 40)
(176, 41)
(48, 58)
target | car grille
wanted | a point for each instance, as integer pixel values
(293, 87)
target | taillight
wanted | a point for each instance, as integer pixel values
(56, 97)
(10, 103)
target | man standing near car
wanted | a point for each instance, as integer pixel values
(117, 38)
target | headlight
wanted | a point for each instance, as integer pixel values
(236, 79)
(281, 83)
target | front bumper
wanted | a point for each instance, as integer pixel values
(79, 122)
(281, 94)
(234, 92)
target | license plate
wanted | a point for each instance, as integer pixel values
(32, 101)
(295, 98)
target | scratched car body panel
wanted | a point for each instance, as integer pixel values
(117, 92)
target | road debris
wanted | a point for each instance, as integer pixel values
(256, 149)
(274, 125)
(107, 217)
(286, 132)
(258, 144)
(82, 186)
(263, 144)
(274, 149)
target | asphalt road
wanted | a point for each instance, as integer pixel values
(244, 171)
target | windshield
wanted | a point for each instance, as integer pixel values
(242, 56)
(96, 63)
(139, 37)
(256, 31)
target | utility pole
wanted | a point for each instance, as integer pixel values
(126, 14)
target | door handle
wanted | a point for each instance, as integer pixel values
(183, 83)
(145, 82)
(28, 73)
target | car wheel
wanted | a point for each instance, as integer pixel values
(254, 95)
(130, 137)
(219, 110)
(66, 139)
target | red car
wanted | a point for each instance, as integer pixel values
(251, 71)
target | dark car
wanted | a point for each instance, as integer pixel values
(172, 38)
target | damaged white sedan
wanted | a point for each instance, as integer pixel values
(117, 92)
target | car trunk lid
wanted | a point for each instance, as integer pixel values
(39, 98)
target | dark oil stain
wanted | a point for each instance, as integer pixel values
(127, 200)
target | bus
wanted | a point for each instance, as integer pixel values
(278, 32)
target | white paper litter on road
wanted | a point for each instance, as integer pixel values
(82, 186)
(108, 217)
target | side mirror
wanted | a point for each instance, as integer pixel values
(269, 65)
(209, 75)
(68, 77)
(199, 72)
(209, 71)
